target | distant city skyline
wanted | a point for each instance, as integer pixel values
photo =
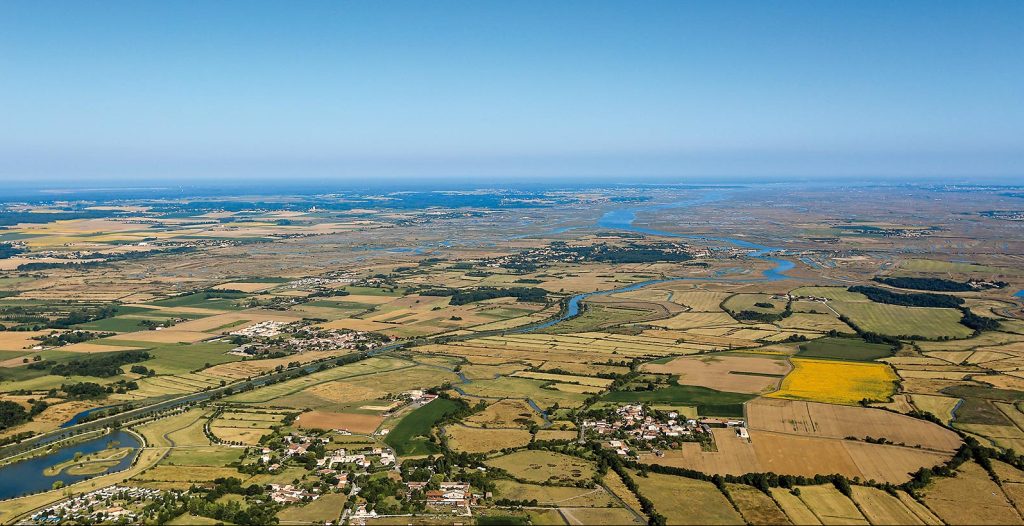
(132, 92)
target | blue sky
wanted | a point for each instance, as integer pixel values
(518, 89)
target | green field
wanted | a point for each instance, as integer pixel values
(742, 302)
(409, 437)
(709, 402)
(896, 320)
(175, 358)
(977, 406)
(932, 265)
(600, 316)
(221, 301)
(844, 349)
(508, 387)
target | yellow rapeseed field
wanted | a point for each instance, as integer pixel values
(837, 382)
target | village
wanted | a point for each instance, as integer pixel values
(634, 428)
(268, 337)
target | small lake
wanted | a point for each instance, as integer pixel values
(27, 476)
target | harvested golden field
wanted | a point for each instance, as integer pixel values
(940, 406)
(830, 506)
(245, 287)
(880, 507)
(354, 422)
(703, 503)
(481, 440)
(510, 413)
(554, 495)
(795, 509)
(946, 497)
(174, 335)
(598, 516)
(692, 320)
(249, 436)
(556, 434)
(733, 373)
(233, 321)
(799, 455)
(826, 420)
(700, 300)
(756, 507)
(837, 382)
(19, 340)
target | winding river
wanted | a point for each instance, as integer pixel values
(624, 219)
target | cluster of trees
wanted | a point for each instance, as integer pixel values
(915, 299)
(84, 390)
(462, 297)
(977, 323)
(937, 284)
(632, 253)
(8, 250)
(107, 258)
(12, 413)
(934, 284)
(67, 338)
(203, 502)
(101, 366)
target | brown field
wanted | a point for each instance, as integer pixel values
(19, 340)
(479, 440)
(719, 372)
(988, 505)
(825, 420)
(800, 455)
(511, 413)
(756, 507)
(354, 422)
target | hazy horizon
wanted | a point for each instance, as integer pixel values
(657, 90)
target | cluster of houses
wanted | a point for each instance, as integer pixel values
(93, 507)
(288, 494)
(301, 338)
(298, 445)
(633, 422)
(263, 329)
(448, 494)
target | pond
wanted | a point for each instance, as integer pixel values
(27, 476)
